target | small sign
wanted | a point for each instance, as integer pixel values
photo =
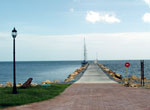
(127, 64)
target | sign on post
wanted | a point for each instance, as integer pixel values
(127, 65)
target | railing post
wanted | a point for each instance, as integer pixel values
(142, 72)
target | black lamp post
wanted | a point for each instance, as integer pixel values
(14, 34)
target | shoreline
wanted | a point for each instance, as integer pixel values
(70, 79)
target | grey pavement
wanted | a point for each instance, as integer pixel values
(94, 74)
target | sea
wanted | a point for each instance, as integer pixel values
(59, 70)
(38, 70)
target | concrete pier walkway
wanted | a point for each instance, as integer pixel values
(94, 74)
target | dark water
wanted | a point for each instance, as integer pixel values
(134, 69)
(39, 71)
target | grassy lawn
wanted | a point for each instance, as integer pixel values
(29, 95)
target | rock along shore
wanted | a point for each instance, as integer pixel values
(76, 74)
(134, 81)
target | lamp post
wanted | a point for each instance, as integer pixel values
(14, 34)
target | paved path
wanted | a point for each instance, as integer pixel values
(94, 74)
(95, 97)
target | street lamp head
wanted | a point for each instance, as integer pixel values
(14, 33)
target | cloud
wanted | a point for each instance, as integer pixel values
(147, 2)
(41, 48)
(5, 36)
(146, 17)
(71, 10)
(94, 17)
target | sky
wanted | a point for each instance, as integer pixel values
(50, 30)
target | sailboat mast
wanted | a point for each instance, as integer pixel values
(84, 62)
(96, 56)
(85, 56)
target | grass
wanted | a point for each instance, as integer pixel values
(29, 95)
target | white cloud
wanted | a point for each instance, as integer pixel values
(64, 47)
(147, 2)
(71, 10)
(94, 17)
(146, 17)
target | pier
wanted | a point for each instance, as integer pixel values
(94, 74)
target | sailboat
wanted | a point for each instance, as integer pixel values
(84, 62)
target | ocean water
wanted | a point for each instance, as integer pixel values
(134, 69)
(39, 70)
(59, 70)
